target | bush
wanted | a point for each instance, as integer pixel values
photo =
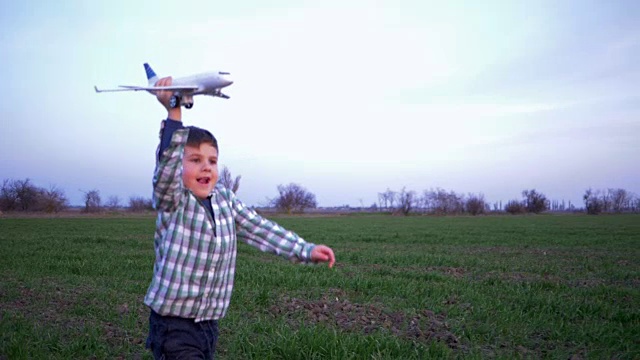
(593, 203)
(440, 201)
(138, 204)
(52, 200)
(535, 202)
(515, 207)
(475, 204)
(22, 195)
(406, 201)
(92, 201)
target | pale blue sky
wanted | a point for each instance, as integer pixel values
(347, 98)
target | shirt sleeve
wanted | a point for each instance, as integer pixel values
(267, 235)
(166, 132)
(167, 178)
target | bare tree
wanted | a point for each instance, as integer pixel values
(475, 204)
(138, 203)
(426, 201)
(227, 180)
(442, 202)
(22, 195)
(8, 196)
(92, 201)
(610, 200)
(26, 194)
(534, 201)
(406, 201)
(52, 200)
(391, 197)
(620, 200)
(382, 201)
(113, 203)
(387, 199)
(294, 198)
(592, 202)
(605, 198)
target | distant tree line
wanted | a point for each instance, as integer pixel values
(442, 202)
(23, 195)
(610, 201)
(434, 201)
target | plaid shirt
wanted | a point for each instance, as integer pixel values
(195, 252)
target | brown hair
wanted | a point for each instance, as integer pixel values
(198, 136)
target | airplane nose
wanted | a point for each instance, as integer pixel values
(228, 82)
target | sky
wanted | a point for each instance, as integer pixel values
(345, 98)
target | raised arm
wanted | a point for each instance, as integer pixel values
(167, 179)
(174, 115)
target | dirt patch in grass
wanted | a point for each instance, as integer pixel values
(58, 308)
(335, 310)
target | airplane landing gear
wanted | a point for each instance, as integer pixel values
(174, 102)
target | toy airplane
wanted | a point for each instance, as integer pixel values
(184, 88)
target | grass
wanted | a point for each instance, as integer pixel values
(403, 288)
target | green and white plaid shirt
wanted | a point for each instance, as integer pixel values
(195, 255)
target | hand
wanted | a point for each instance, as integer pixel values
(164, 96)
(322, 253)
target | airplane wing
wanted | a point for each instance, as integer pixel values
(149, 88)
(109, 90)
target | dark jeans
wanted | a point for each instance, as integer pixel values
(179, 338)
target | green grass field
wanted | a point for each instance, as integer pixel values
(547, 286)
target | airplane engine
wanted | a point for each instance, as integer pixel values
(187, 101)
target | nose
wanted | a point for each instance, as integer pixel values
(226, 82)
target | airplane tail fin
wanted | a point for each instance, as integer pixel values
(151, 75)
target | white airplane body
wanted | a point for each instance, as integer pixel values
(184, 88)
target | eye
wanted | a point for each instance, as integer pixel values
(195, 160)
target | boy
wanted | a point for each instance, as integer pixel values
(195, 241)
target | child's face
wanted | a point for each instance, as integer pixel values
(200, 169)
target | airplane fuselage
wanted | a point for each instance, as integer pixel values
(208, 83)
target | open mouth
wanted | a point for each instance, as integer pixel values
(204, 180)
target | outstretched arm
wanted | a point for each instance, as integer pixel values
(268, 236)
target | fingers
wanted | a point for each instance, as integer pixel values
(165, 81)
(323, 253)
(331, 257)
(163, 96)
